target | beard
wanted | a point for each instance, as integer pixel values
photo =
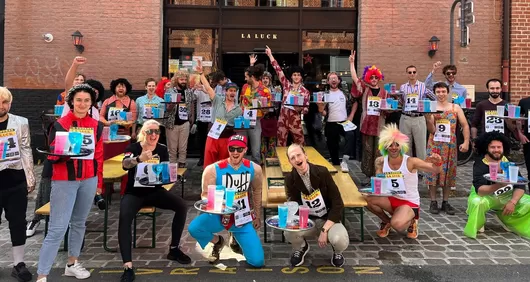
(494, 95)
(493, 157)
(181, 85)
(3, 114)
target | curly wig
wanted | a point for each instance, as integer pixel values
(484, 140)
(297, 69)
(97, 86)
(118, 81)
(372, 70)
(391, 134)
(80, 88)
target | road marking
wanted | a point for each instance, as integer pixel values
(259, 270)
(297, 269)
(228, 270)
(367, 270)
(184, 271)
(330, 270)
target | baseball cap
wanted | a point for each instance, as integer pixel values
(237, 140)
(231, 85)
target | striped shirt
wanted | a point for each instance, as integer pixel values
(455, 89)
(418, 88)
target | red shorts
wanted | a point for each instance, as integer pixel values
(397, 202)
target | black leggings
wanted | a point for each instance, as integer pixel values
(14, 202)
(333, 131)
(160, 198)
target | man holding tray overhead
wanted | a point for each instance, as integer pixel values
(509, 202)
(246, 177)
(312, 186)
(401, 171)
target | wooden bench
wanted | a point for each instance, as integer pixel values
(351, 197)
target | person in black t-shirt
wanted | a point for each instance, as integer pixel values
(509, 202)
(136, 196)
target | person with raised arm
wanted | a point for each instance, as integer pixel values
(290, 120)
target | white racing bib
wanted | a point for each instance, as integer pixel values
(252, 115)
(374, 103)
(492, 122)
(183, 112)
(315, 203)
(348, 125)
(443, 131)
(217, 128)
(395, 184)
(205, 113)
(411, 102)
(244, 215)
(114, 113)
(88, 141)
(142, 170)
(9, 150)
(503, 190)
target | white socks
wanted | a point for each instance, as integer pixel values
(18, 254)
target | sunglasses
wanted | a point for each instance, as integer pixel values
(412, 72)
(152, 131)
(450, 73)
(373, 77)
(238, 149)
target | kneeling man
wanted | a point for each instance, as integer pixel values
(311, 185)
(246, 177)
(509, 202)
(404, 206)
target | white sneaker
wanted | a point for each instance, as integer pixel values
(344, 167)
(42, 280)
(31, 228)
(481, 230)
(76, 270)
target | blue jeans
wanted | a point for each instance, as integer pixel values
(203, 228)
(70, 203)
(254, 138)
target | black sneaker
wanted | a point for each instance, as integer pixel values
(337, 260)
(200, 163)
(447, 208)
(217, 248)
(297, 258)
(177, 255)
(234, 245)
(21, 273)
(100, 202)
(128, 275)
(434, 208)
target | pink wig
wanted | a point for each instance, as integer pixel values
(372, 70)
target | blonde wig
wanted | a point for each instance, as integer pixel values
(141, 136)
(391, 134)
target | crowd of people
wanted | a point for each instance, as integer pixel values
(209, 106)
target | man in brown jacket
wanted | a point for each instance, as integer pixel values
(312, 186)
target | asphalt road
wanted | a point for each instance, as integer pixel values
(482, 273)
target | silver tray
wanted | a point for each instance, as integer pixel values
(503, 180)
(273, 222)
(201, 206)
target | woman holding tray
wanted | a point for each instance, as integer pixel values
(442, 140)
(147, 150)
(74, 184)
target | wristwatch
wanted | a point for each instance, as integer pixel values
(323, 230)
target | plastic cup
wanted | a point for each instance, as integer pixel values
(494, 169)
(148, 112)
(394, 104)
(283, 211)
(377, 182)
(427, 106)
(2, 150)
(167, 97)
(517, 111)
(179, 97)
(387, 87)
(211, 196)
(106, 133)
(76, 140)
(165, 172)
(113, 131)
(230, 195)
(123, 115)
(292, 208)
(421, 105)
(173, 168)
(303, 213)
(291, 100)
(246, 122)
(174, 97)
(151, 174)
(514, 173)
(393, 88)
(434, 106)
(218, 201)
(264, 101)
(511, 110)
(315, 97)
(61, 143)
(500, 111)
(57, 110)
(254, 103)
(129, 116)
(320, 96)
(383, 104)
(468, 103)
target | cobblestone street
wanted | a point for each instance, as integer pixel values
(440, 240)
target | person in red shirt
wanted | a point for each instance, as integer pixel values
(74, 184)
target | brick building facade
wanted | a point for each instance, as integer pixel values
(134, 39)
